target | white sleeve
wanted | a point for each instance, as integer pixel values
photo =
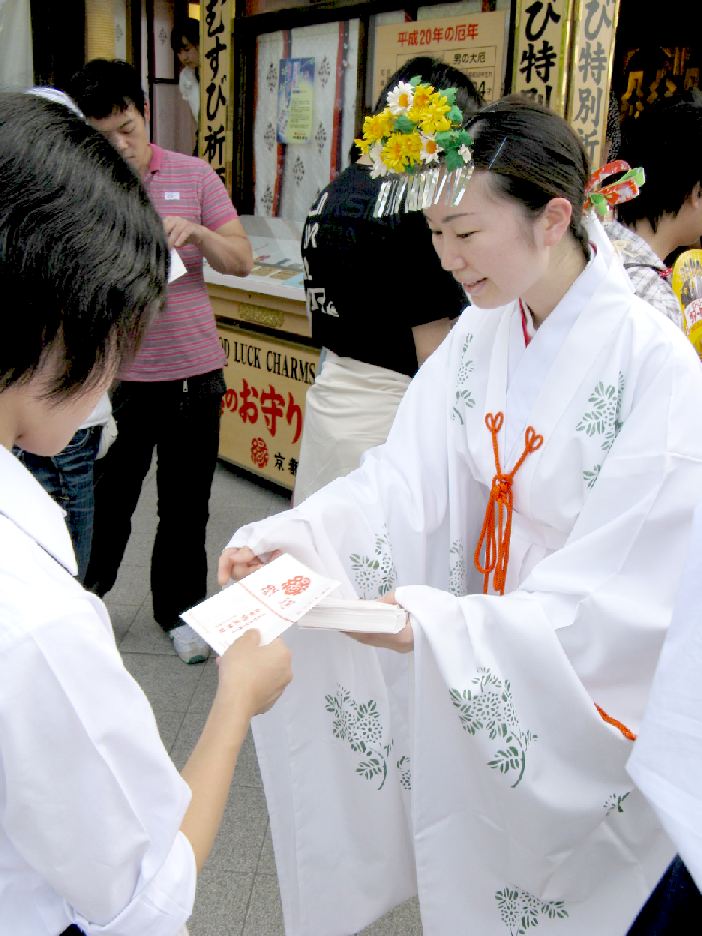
(666, 761)
(91, 800)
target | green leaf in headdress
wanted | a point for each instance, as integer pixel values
(404, 125)
(453, 160)
(463, 138)
(446, 138)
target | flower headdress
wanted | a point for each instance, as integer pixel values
(417, 144)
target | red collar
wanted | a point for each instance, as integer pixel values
(525, 329)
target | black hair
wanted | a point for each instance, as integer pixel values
(105, 86)
(188, 29)
(82, 250)
(439, 75)
(532, 155)
(666, 139)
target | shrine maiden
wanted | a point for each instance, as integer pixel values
(530, 511)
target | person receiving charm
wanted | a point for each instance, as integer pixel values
(529, 511)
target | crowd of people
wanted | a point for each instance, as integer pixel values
(525, 752)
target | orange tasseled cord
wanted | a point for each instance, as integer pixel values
(497, 525)
(627, 732)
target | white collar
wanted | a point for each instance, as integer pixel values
(529, 366)
(25, 502)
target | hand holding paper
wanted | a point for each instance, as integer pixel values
(281, 593)
(176, 266)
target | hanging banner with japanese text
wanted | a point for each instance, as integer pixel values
(474, 43)
(541, 51)
(588, 91)
(215, 138)
(263, 408)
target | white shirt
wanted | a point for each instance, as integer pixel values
(190, 90)
(90, 803)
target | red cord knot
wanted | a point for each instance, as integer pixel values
(497, 525)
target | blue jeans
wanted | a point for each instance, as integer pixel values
(68, 478)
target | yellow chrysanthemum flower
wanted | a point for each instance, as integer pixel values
(377, 126)
(402, 150)
(422, 95)
(434, 119)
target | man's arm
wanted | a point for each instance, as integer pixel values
(226, 249)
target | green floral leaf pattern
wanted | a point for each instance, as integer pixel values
(604, 418)
(403, 765)
(589, 477)
(458, 577)
(613, 803)
(374, 575)
(520, 910)
(463, 397)
(490, 709)
(359, 724)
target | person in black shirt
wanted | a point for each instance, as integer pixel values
(378, 300)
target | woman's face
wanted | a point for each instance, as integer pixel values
(488, 244)
(188, 55)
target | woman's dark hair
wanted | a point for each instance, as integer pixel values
(666, 140)
(532, 155)
(83, 253)
(103, 86)
(188, 29)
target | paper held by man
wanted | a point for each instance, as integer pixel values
(282, 593)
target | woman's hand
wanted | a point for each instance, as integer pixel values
(237, 562)
(402, 642)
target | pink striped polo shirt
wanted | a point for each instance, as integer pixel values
(182, 340)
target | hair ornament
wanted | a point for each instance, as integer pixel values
(601, 199)
(418, 146)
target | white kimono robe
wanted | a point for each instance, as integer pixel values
(666, 761)
(477, 770)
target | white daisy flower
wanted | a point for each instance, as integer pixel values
(400, 98)
(375, 155)
(465, 152)
(430, 150)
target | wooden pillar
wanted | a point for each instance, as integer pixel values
(590, 78)
(541, 51)
(216, 105)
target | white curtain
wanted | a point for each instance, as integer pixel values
(288, 180)
(16, 65)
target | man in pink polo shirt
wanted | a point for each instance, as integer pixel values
(169, 397)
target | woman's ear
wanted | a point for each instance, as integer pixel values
(554, 220)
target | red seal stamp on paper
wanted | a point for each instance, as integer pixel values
(259, 452)
(296, 585)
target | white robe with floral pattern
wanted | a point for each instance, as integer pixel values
(477, 771)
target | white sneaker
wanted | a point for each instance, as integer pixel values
(189, 646)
